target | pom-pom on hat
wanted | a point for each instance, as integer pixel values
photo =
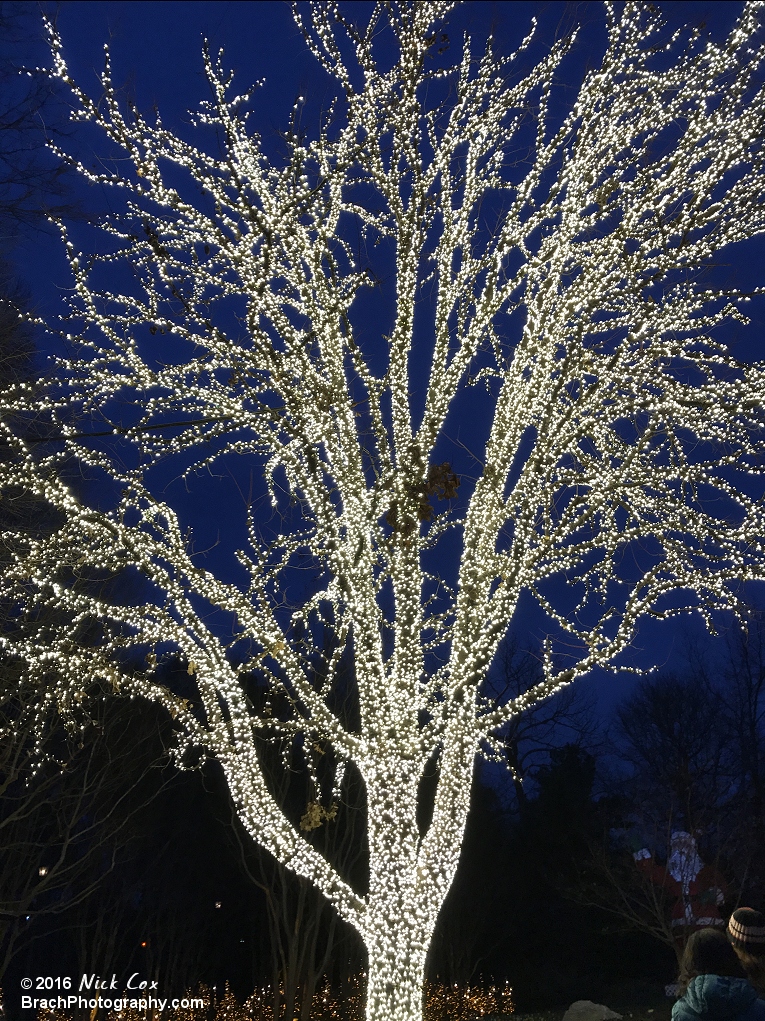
(746, 930)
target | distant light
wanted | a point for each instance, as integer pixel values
(218, 904)
(42, 871)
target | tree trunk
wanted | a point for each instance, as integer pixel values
(402, 913)
(396, 975)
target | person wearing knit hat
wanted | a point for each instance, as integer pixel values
(746, 932)
(712, 982)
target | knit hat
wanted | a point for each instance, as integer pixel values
(746, 930)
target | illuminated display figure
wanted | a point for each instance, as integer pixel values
(696, 890)
(621, 438)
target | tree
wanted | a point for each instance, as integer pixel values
(615, 482)
(68, 807)
(672, 737)
(657, 858)
(692, 747)
(743, 680)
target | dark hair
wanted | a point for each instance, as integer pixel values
(754, 967)
(708, 952)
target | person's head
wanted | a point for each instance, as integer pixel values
(746, 932)
(708, 952)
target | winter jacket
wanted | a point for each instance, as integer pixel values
(718, 998)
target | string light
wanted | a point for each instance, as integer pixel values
(624, 442)
(442, 1003)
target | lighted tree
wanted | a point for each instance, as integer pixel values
(617, 462)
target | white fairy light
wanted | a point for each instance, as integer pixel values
(623, 403)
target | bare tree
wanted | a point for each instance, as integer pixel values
(672, 737)
(616, 412)
(668, 815)
(68, 803)
(739, 677)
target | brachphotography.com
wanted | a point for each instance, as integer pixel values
(117, 1003)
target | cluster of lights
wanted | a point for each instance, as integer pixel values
(441, 1003)
(466, 1003)
(614, 413)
